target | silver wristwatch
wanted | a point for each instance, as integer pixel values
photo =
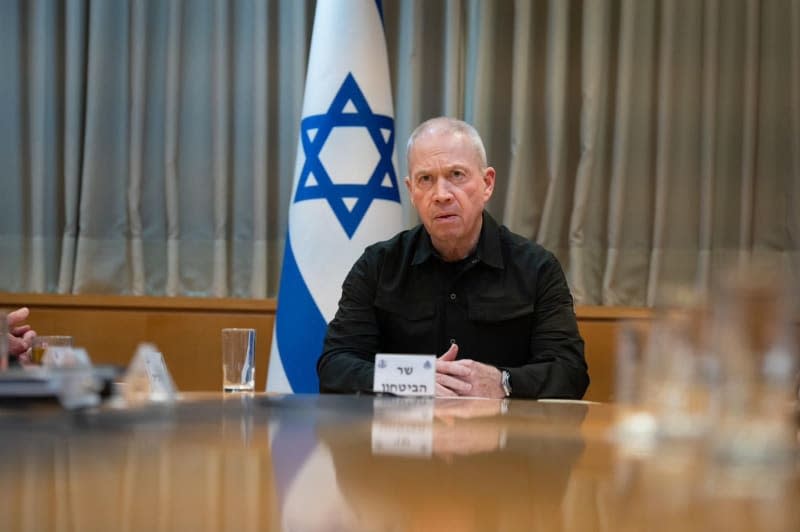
(505, 381)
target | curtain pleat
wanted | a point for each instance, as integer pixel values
(46, 124)
(453, 71)
(520, 147)
(556, 122)
(74, 82)
(708, 141)
(664, 132)
(261, 91)
(150, 147)
(586, 257)
(793, 196)
(480, 55)
(749, 112)
(171, 111)
(220, 126)
(295, 24)
(102, 261)
(136, 140)
(631, 196)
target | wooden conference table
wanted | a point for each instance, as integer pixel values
(266, 462)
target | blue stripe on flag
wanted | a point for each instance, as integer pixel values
(299, 327)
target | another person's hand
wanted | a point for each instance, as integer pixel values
(466, 377)
(20, 334)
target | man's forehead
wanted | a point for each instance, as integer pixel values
(447, 162)
(451, 148)
(441, 135)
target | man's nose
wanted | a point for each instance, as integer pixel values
(441, 190)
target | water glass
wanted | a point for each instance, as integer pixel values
(42, 343)
(754, 339)
(238, 360)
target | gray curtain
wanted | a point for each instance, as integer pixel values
(147, 147)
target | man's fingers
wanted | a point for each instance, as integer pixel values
(452, 368)
(443, 391)
(450, 354)
(457, 385)
(17, 346)
(18, 316)
(20, 330)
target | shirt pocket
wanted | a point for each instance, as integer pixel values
(406, 325)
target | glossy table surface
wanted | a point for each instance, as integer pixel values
(261, 462)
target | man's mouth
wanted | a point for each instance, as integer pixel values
(445, 217)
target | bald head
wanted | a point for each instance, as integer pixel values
(444, 124)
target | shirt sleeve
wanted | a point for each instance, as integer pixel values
(348, 354)
(558, 367)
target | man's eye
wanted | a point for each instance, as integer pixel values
(423, 179)
(458, 174)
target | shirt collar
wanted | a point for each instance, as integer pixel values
(488, 250)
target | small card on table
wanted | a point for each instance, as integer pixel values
(405, 374)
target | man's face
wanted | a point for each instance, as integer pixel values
(449, 190)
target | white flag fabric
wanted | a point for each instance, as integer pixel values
(346, 192)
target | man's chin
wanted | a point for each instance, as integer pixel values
(450, 226)
(445, 234)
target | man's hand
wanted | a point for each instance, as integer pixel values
(20, 335)
(448, 371)
(466, 377)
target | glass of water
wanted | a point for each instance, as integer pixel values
(238, 360)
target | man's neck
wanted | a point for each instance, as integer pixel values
(454, 251)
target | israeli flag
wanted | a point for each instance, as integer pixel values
(345, 194)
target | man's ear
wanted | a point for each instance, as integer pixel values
(408, 186)
(488, 182)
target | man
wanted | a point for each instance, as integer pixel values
(497, 305)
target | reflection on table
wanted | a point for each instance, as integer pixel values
(257, 462)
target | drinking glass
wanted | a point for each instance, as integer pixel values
(41, 343)
(754, 340)
(238, 360)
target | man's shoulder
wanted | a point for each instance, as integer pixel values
(521, 248)
(399, 243)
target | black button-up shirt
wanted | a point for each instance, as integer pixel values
(507, 304)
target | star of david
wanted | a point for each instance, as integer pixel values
(315, 181)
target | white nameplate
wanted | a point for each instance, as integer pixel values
(405, 374)
(148, 378)
(156, 367)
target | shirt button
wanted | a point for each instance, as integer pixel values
(452, 341)
(453, 296)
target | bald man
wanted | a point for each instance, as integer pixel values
(495, 306)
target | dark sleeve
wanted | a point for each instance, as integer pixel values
(348, 353)
(558, 367)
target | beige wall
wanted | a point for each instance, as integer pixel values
(187, 331)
